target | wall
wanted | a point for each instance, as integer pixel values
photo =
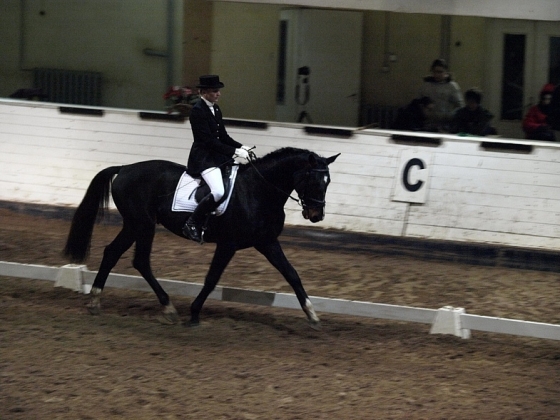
(197, 40)
(397, 83)
(245, 55)
(92, 35)
(468, 42)
(10, 22)
(467, 191)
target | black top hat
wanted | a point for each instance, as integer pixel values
(210, 81)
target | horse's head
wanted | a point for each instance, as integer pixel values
(311, 186)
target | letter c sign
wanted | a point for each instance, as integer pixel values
(413, 174)
(406, 173)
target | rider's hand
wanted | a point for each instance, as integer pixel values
(241, 154)
(248, 147)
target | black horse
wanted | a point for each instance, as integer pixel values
(143, 194)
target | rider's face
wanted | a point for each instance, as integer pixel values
(211, 95)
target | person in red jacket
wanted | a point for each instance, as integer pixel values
(535, 123)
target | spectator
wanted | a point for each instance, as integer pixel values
(473, 118)
(413, 117)
(554, 114)
(445, 93)
(536, 123)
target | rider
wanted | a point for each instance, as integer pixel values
(212, 148)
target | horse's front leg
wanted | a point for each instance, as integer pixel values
(222, 256)
(274, 254)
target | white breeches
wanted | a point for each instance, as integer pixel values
(213, 177)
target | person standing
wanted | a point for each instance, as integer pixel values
(445, 93)
(212, 148)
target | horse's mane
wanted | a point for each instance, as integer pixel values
(277, 156)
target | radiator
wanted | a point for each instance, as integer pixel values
(68, 86)
(380, 116)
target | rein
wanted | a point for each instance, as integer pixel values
(301, 200)
(252, 158)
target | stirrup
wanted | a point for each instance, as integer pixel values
(192, 231)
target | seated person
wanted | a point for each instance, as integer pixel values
(536, 122)
(413, 117)
(473, 118)
(554, 114)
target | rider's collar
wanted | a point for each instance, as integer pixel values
(207, 101)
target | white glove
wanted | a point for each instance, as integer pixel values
(241, 155)
(247, 147)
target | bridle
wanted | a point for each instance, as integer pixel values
(302, 200)
(309, 202)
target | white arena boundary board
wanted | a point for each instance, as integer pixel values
(446, 320)
(413, 185)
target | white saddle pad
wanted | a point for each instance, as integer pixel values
(184, 194)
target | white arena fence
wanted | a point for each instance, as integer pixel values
(446, 320)
(397, 184)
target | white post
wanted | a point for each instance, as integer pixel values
(71, 276)
(448, 321)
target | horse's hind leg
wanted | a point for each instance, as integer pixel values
(144, 240)
(111, 255)
(274, 254)
(222, 256)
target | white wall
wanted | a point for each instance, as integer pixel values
(470, 194)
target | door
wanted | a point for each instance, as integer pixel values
(523, 56)
(319, 67)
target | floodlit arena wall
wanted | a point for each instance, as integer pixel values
(414, 185)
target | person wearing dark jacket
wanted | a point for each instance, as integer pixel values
(212, 148)
(414, 116)
(473, 118)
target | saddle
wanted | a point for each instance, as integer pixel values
(191, 190)
(203, 188)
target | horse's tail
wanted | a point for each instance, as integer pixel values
(93, 205)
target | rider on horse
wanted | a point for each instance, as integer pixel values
(212, 148)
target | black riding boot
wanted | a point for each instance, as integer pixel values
(193, 226)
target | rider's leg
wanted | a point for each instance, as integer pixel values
(193, 226)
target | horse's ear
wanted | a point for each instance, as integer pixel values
(332, 159)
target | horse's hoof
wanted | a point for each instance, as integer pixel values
(316, 325)
(168, 319)
(94, 310)
(169, 315)
(192, 324)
